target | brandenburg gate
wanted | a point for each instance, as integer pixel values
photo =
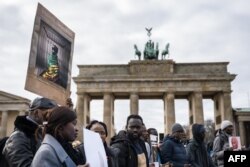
(151, 78)
(156, 79)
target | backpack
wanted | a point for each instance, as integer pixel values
(3, 162)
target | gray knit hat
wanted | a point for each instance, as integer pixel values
(177, 127)
(225, 124)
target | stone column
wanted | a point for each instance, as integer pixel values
(226, 112)
(217, 108)
(198, 108)
(242, 133)
(169, 112)
(191, 115)
(86, 109)
(4, 121)
(134, 100)
(107, 113)
(79, 112)
(112, 133)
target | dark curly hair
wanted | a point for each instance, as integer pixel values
(56, 118)
(134, 117)
(89, 126)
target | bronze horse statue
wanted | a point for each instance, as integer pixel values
(137, 52)
(165, 52)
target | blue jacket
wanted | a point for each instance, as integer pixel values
(173, 151)
(51, 154)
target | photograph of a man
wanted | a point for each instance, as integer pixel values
(234, 142)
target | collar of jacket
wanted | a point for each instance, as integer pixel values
(197, 144)
(25, 125)
(61, 154)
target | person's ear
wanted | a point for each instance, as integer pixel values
(34, 114)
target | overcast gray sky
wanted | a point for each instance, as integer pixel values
(198, 31)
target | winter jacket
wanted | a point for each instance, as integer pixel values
(196, 149)
(197, 155)
(52, 154)
(127, 156)
(173, 151)
(112, 154)
(22, 144)
(220, 144)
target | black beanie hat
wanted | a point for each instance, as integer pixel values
(60, 115)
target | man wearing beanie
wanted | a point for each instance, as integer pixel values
(23, 143)
(221, 143)
(196, 149)
(172, 150)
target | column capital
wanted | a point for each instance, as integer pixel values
(227, 91)
(87, 96)
(168, 95)
(108, 93)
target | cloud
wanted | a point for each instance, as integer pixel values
(198, 31)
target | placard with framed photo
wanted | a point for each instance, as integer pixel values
(50, 60)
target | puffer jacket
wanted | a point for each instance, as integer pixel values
(127, 156)
(173, 151)
(220, 144)
(22, 144)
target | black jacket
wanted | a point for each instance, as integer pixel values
(127, 156)
(173, 151)
(22, 144)
(196, 149)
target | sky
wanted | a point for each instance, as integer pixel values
(106, 30)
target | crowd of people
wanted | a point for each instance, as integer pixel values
(46, 137)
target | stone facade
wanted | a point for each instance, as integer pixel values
(155, 79)
(242, 124)
(10, 107)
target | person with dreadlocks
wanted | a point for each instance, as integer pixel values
(59, 133)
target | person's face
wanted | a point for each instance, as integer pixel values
(134, 128)
(39, 115)
(179, 134)
(234, 143)
(229, 130)
(144, 133)
(69, 131)
(98, 128)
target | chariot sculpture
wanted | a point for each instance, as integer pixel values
(151, 51)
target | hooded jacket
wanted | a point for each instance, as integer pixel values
(173, 151)
(220, 143)
(127, 156)
(196, 149)
(22, 141)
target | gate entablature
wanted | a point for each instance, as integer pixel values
(156, 79)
